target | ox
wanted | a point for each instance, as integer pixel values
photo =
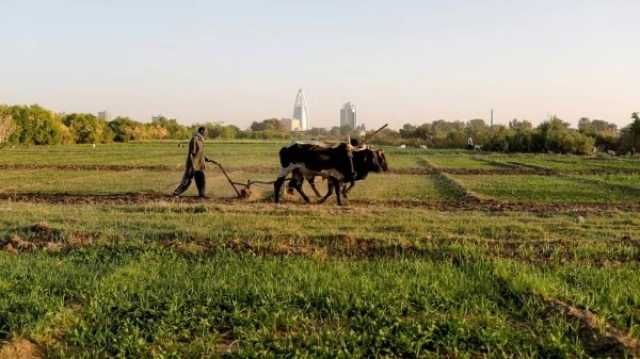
(307, 161)
(362, 161)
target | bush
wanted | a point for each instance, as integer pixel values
(87, 128)
(125, 129)
(36, 125)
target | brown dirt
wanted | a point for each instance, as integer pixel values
(20, 348)
(227, 344)
(513, 168)
(545, 252)
(42, 236)
(468, 203)
(536, 168)
(601, 338)
(117, 198)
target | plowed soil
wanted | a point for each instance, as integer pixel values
(468, 204)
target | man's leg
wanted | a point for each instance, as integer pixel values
(201, 183)
(184, 184)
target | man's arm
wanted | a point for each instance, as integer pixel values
(192, 149)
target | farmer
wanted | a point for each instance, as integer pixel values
(195, 165)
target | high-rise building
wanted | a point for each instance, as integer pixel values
(348, 115)
(300, 111)
(104, 115)
(291, 124)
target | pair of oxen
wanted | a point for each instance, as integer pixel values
(341, 165)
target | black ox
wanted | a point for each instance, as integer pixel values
(337, 164)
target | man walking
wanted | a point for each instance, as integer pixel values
(195, 165)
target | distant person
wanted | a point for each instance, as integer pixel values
(195, 165)
(470, 144)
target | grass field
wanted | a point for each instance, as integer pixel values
(450, 254)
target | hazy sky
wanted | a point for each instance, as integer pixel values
(398, 61)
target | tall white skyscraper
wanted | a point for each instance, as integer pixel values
(348, 115)
(300, 111)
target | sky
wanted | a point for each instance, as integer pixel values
(399, 61)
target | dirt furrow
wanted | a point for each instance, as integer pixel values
(468, 203)
(609, 335)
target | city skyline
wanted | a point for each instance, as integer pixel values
(410, 62)
(348, 114)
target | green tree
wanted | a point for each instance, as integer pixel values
(408, 131)
(125, 129)
(229, 132)
(36, 125)
(85, 128)
(173, 128)
(630, 139)
(7, 125)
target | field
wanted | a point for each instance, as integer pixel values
(450, 253)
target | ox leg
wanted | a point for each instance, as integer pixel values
(296, 181)
(346, 188)
(304, 196)
(277, 185)
(329, 192)
(312, 183)
(277, 188)
(338, 188)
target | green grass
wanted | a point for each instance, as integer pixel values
(387, 187)
(391, 275)
(625, 180)
(458, 160)
(571, 163)
(405, 158)
(162, 303)
(159, 305)
(112, 182)
(142, 154)
(547, 189)
(402, 188)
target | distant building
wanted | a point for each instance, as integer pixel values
(104, 115)
(291, 124)
(157, 117)
(300, 111)
(348, 115)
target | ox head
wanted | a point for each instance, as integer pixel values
(381, 160)
(372, 160)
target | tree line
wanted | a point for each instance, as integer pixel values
(553, 135)
(36, 125)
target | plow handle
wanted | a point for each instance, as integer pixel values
(226, 175)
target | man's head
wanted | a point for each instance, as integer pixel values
(202, 130)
